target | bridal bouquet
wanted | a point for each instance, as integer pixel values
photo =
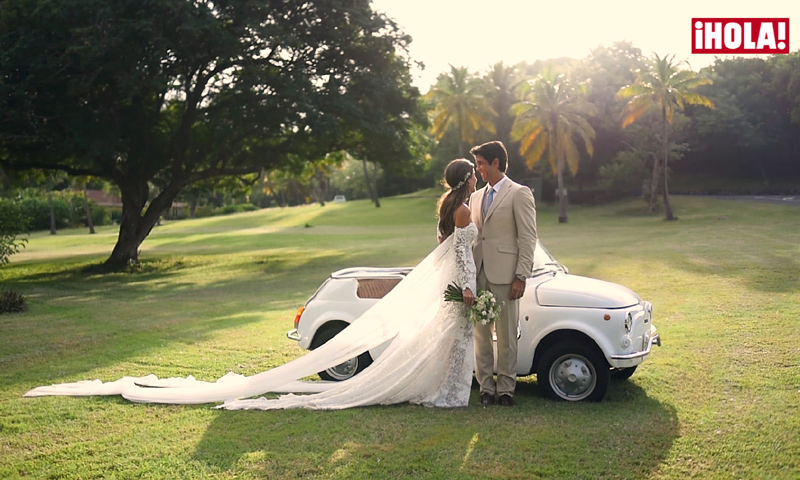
(484, 311)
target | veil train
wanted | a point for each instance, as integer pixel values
(410, 314)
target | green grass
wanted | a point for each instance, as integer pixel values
(719, 400)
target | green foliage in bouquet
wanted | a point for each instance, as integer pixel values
(484, 311)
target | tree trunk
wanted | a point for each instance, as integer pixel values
(375, 185)
(88, 210)
(136, 222)
(667, 207)
(296, 190)
(371, 188)
(654, 184)
(320, 188)
(562, 198)
(52, 214)
(192, 206)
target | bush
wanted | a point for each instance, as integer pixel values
(238, 208)
(77, 217)
(12, 223)
(69, 210)
(11, 301)
(624, 175)
(206, 211)
(100, 215)
(37, 211)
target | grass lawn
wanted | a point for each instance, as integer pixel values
(719, 400)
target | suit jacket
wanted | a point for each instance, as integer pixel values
(507, 235)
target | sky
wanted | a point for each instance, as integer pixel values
(478, 34)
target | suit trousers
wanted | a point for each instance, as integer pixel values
(506, 329)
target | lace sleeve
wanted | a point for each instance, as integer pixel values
(465, 265)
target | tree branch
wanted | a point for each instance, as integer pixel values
(216, 172)
(46, 166)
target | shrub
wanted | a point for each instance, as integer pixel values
(100, 215)
(207, 211)
(11, 301)
(12, 223)
(37, 211)
(624, 175)
(68, 208)
(77, 214)
(238, 208)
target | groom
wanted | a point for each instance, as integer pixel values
(505, 214)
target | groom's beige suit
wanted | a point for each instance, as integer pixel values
(503, 251)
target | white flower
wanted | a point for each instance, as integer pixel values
(485, 310)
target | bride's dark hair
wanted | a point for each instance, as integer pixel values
(456, 180)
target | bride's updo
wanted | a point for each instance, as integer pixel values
(456, 180)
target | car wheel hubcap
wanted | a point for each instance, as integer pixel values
(344, 370)
(572, 377)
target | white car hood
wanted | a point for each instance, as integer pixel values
(582, 292)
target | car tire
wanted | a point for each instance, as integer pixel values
(344, 370)
(573, 372)
(623, 373)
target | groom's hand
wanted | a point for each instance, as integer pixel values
(517, 289)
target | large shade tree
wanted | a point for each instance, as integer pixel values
(157, 95)
(460, 103)
(662, 85)
(549, 119)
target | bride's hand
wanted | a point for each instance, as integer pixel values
(469, 297)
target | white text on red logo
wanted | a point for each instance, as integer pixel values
(740, 35)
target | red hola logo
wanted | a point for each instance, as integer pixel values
(740, 35)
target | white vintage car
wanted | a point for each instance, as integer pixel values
(575, 333)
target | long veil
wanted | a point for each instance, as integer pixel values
(411, 306)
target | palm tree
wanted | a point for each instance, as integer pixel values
(459, 103)
(503, 83)
(663, 85)
(548, 120)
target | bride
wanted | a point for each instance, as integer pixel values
(429, 361)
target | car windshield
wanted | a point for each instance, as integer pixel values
(544, 262)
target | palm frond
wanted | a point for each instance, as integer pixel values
(571, 155)
(633, 90)
(697, 99)
(521, 108)
(527, 140)
(635, 109)
(585, 131)
(522, 126)
(535, 152)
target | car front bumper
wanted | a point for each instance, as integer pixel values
(635, 358)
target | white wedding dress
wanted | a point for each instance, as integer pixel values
(429, 361)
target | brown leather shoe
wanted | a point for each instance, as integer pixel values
(506, 400)
(487, 399)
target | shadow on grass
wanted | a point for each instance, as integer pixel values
(139, 278)
(127, 320)
(114, 318)
(627, 436)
